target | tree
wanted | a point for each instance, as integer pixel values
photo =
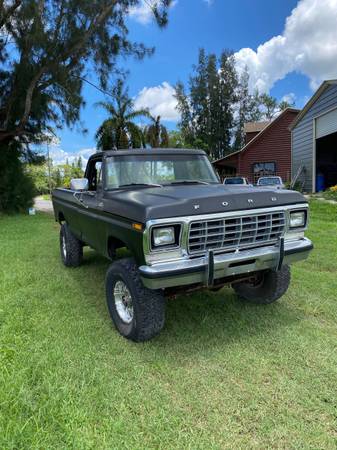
(284, 104)
(119, 130)
(57, 177)
(124, 141)
(39, 175)
(176, 140)
(60, 175)
(156, 133)
(224, 120)
(269, 104)
(271, 107)
(51, 44)
(186, 125)
(46, 49)
(164, 138)
(247, 109)
(79, 163)
(217, 104)
(207, 110)
(16, 187)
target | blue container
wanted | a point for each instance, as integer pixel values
(320, 182)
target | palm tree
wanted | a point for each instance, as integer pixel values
(156, 134)
(119, 130)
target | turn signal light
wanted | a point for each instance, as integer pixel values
(137, 226)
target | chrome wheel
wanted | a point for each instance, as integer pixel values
(64, 246)
(123, 302)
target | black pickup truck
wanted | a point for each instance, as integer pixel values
(184, 229)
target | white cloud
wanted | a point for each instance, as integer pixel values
(307, 45)
(160, 101)
(289, 98)
(142, 13)
(209, 2)
(59, 156)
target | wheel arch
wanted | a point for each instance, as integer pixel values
(113, 244)
(135, 248)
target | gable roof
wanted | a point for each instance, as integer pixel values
(261, 133)
(253, 127)
(313, 99)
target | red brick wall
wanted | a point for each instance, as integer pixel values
(273, 146)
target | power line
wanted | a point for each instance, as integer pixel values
(94, 86)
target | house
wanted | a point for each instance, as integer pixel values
(267, 150)
(252, 129)
(314, 140)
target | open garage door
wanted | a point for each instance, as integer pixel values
(326, 161)
(326, 124)
(326, 150)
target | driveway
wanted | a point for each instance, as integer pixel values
(41, 204)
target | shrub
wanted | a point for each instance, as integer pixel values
(39, 175)
(297, 186)
(331, 193)
(16, 187)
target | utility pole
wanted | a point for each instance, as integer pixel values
(50, 139)
(49, 170)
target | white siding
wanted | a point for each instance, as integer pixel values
(303, 134)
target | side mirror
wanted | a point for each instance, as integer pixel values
(79, 184)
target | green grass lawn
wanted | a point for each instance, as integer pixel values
(223, 374)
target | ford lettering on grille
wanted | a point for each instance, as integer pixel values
(235, 232)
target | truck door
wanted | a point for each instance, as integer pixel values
(92, 206)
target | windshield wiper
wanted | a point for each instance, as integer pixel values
(140, 185)
(189, 182)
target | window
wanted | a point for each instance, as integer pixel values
(94, 174)
(235, 180)
(263, 169)
(269, 181)
(158, 169)
(98, 169)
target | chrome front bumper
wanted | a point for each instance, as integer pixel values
(208, 268)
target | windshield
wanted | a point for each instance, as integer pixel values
(158, 170)
(234, 181)
(269, 181)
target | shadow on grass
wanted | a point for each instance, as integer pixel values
(200, 322)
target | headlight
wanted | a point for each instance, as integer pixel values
(164, 236)
(298, 219)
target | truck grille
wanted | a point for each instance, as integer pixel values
(235, 232)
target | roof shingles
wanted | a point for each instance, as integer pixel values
(253, 127)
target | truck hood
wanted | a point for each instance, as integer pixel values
(143, 204)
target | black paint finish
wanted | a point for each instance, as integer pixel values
(104, 218)
(174, 201)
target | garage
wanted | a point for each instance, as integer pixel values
(314, 141)
(326, 150)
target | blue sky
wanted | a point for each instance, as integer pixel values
(288, 46)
